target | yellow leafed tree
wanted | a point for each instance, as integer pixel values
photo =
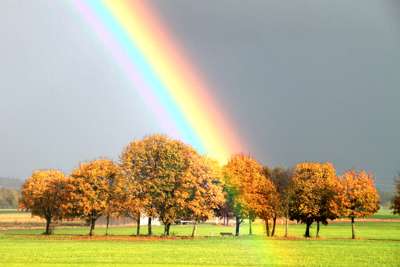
(314, 194)
(44, 195)
(96, 186)
(167, 175)
(251, 192)
(360, 197)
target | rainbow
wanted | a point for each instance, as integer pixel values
(161, 73)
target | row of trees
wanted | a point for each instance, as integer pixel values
(311, 192)
(157, 177)
(162, 178)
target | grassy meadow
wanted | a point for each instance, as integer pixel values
(378, 244)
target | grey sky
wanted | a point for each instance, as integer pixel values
(302, 80)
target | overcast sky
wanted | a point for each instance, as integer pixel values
(301, 80)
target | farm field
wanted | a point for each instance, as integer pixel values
(378, 245)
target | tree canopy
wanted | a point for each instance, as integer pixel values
(314, 196)
(251, 192)
(94, 184)
(359, 195)
(44, 194)
(172, 179)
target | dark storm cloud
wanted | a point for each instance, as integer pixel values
(305, 80)
(302, 80)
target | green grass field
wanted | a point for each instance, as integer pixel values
(378, 245)
(385, 213)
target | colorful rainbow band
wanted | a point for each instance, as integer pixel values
(158, 70)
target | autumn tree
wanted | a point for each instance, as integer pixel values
(396, 199)
(95, 185)
(360, 197)
(166, 172)
(264, 200)
(116, 195)
(133, 201)
(281, 178)
(43, 193)
(251, 193)
(314, 194)
(235, 173)
(206, 194)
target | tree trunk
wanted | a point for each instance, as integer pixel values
(166, 229)
(273, 226)
(149, 231)
(317, 235)
(307, 233)
(194, 228)
(250, 228)
(237, 230)
(353, 229)
(266, 227)
(107, 223)
(227, 220)
(48, 226)
(286, 226)
(92, 225)
(138, 225)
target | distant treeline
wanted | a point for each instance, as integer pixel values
(9, 192)
(8, 198)
(10, 183)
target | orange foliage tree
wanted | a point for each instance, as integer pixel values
(264, 200)
(251, 192)
(44, 195)
(95, 189)
(134, 201)
(360, 197)
(206, 194)
(169, 176)
(314, 194)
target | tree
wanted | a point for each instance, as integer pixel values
(396, 199)
(133, 201)
(206, 191)
(250, 191)
(359, 196)
(94, 186)
(225, 211)
(314, 194)
(264, 201)
(166, 171)
(116, 200)
(282, 179)
(44, 194)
